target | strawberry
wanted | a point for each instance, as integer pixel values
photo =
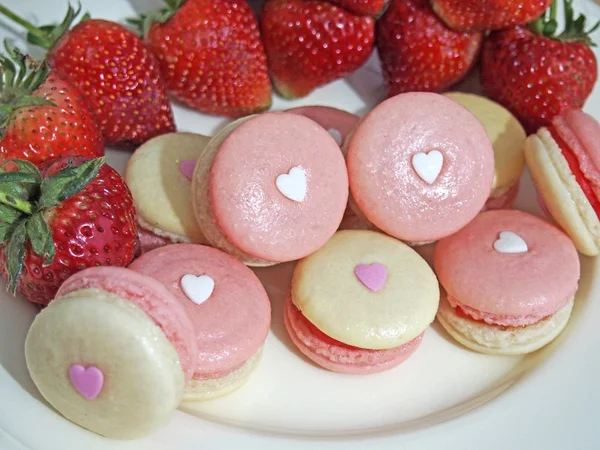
(372, 8)
(537, 75)
(419, 52)
(477, 15)
(311, 43)
(115, 71)
(42, 116)
(211, 55)
(71, 214)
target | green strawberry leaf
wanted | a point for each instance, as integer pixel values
(6, 230)
(68, 182)
(9, 215)
(40, 236)
(18, 177)
(15, 255)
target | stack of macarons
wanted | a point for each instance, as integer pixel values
(351, 200)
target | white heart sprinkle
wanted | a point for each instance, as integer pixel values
(197, 289)
(335, 134)
(510, 242)
(428, 165)
(293, 184)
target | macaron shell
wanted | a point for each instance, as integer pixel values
(536, 283)
(143, 381)
(151, 297)
(233, 323)
(496, 340)
(505, 132)
(561, 192)
(329, 294)
(336, 356)
(386, 187)
(211, 388)
(161, 192)
(245, 202)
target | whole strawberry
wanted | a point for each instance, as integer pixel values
(42, 116)
(478, 15)
(362, 7)
(71, 214)
(211, 55)
(115, 71)
(311, 43)
(536, 74)
(419, 52)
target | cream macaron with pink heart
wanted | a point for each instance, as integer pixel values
(270, 188)
(113, 352)
(228, 307)
(361, 303)
(159, 175)
(510, 280)
(420, 167)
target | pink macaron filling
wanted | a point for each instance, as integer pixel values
(337, 356)
(150, 296)
(150, 241)
(505, 200)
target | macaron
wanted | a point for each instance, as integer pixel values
(361, 303)
(270, 188)
(507, 136)
(159, 175)
(339, 124)
(510, 280)
(564, 161)
(420, 166)
(113, 352)
(227, 305)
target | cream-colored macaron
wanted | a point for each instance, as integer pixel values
(367, 290)
(507, 136)
(159, 176)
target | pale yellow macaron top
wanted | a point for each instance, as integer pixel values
(505, 132)
(160, 188)
(366, 289)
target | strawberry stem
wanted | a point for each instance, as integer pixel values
(574, 30)
(31, 28)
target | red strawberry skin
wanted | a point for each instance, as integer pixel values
(212, 57)
(419, 52)
(536, 77)
(361, 7)
(96, 227)
(477, 15)
(39, 133)
(120, 78)
(311, 43)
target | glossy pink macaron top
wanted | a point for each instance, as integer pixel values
(495, 278)
(250, 207)
(420, 166)
(232, 324)
(339, 124)
(581, 132)
(151, 297)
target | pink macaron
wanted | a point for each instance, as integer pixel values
(420, 167)
(227, 305)
(510, 280)
(270, 188)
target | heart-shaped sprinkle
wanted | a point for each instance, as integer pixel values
(292, 184)
(428, 165)
(88, 381)
(373, 276)
(510, 242)
(187, 168)
(335, 134)
(197, 289)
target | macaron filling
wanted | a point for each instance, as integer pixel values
(498, 319)
(576, 168)
(502, 198)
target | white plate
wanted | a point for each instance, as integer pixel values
(549, 399)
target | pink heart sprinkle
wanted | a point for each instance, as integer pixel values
(187, 168)
(373, 276)
(87, 381)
